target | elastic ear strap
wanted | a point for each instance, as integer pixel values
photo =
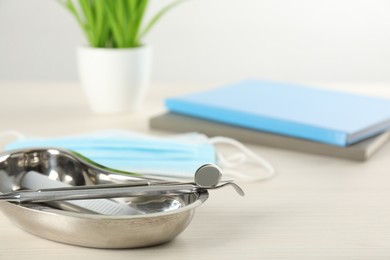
(231, 161)
(225, 140)
(11, 133)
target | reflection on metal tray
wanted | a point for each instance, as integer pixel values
(164, 217)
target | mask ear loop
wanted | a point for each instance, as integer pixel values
(241, 158)
(12, 133)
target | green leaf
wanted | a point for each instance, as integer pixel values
(69, 5)
(122, 18)
(132, 20)
(117, 35)
(141, 8)
(113, 23)
(157, 17)
(86, 7)
(102, 26)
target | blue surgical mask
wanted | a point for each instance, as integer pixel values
(176, 156)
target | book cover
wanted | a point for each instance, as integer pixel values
(320, 115)
(360, 151)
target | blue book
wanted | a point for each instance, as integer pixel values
(320, 115)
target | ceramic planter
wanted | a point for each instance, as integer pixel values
(114, 80)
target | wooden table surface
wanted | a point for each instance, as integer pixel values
(315, 208)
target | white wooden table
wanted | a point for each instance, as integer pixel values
(316, 208)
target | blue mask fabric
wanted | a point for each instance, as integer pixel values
(177, 156)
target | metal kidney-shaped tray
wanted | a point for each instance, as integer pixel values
(165, 216)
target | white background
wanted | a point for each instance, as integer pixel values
(215, 41)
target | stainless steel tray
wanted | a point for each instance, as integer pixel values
(165, 216)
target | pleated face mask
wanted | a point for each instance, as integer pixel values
(177, 156)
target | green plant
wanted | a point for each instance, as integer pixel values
(114, 23)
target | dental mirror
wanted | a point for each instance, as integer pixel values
(208, 175)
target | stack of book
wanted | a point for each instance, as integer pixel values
(284, 116)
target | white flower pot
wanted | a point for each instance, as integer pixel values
(114, 80)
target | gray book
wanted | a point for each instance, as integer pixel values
(360, 151)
